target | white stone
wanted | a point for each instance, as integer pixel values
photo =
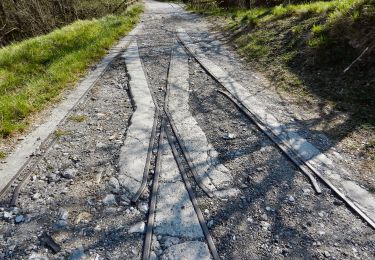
(139, 227)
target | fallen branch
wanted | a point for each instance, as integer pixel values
(357, 59)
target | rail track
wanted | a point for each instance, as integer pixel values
(164, 128)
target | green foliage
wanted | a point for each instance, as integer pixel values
(304, 49)
(34, 72)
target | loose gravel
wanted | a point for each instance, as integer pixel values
(73, 193)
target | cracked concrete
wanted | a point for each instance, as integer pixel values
(175, 215)
(211, 173)
(133, 155)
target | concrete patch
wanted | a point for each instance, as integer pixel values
(191, 250)
(309, 153)
(21, 154)
(204, 158)
(134, 151)
(175, 214)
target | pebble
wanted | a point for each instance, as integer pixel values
(249, 219)
(139, 227)
(69, 173)
(63, 214)
(143, 207)
(61, 224)
(20, 219)
(109, 200)
(210, 223)
(265, 225)
(100, 145)
(291, 199)
(229, 136)
(7, 215)
(124, 200)
(35, 196)
(327, 254)
(78, 253)
(306, 191)
(35, 256)
(114, 185)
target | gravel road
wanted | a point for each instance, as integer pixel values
(75, 198)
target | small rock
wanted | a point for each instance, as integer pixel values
(153, 256)
(124, 200)
(15, 210)
(109, 200)
(291, 199)
(114, 185)
(69, 173)
(63, 214)
(139, 227)
(229, 136)
(100, 145)
(83, 217)
(268, 209)
(265, 225)
(20, 219)
(35, 196)
(321, 214)
(35, 256)
(61, 224)
(206, 211)
(134, 251)
(264, 216)
(306, 191)
(210, 223)
(7, 215)
(78, 253)
(326, 254)
(143, 207)
(250, 219)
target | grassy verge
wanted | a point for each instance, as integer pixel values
(34, 72)
(303, 50)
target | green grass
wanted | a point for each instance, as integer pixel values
(2, 155)
(34, 72)
(77, 118)
(60, 133)
(304, 48)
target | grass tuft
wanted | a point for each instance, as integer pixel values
(60, 133)
(77, 118)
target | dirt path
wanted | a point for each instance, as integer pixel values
(263, 207)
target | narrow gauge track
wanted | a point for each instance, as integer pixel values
(305, 167)
(168, 129)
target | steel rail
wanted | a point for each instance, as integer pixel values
(305, 165)
(181, 144)
(206, 233)
(255, 119)
(17, 190)
(290, 154)
(155, 186)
